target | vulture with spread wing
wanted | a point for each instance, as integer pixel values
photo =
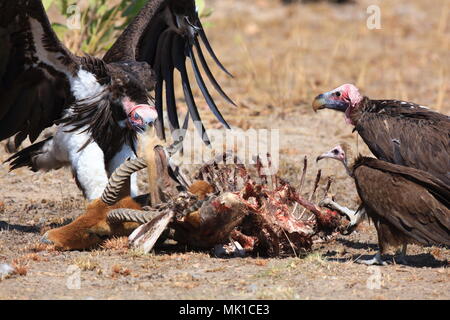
(407, 205)
(423, 134)
(99, 105)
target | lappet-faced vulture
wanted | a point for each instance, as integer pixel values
(99, 105)
(423, 133)
(407, 205)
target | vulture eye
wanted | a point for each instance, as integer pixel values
(338, 94)
(335, 151)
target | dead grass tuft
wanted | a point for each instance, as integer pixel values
(260, 262)
(116, 243)
(39, 247)
(20, 267)
(86, 263)
(118, 270)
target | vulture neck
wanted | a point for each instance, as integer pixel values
(348, 161)
(358, 110)
(347, 168)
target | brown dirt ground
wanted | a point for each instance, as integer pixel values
(281, 56)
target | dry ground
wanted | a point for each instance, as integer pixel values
(281, 56)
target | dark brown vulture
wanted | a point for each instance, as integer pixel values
(99, 105)
(423, 134)
(407, 205)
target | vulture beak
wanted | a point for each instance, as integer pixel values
(329, 100)
(319, 102)
(324, 156)
(141, 116)
(329, 155)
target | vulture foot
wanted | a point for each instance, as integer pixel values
(401, 259)
(376, 260)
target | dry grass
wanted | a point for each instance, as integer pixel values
(325, 46)
(20, 267)
(118, 270)
(116, 243)
(86, 263)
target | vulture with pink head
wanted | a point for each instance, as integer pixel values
(423, 134)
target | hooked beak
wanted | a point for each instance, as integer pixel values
(326, 101)
(141, 116)
(325, 155)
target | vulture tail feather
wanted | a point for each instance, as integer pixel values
(24, 157)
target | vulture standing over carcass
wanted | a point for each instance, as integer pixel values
(99, 105)
(407, 205)
(423, 134)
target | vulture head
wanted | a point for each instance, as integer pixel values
(128, 95)
(344, 98)
(341, 152)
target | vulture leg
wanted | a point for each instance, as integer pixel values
(401, 259)
(376, 260)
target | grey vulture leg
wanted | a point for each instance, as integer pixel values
(401, 259)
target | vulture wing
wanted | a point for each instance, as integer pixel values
(164, 34)
(414, 201)
(35, 69)
(424, 135)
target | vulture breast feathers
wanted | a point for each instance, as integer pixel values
(41, 81)
(415, 202)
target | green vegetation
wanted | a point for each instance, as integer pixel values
(92, 26)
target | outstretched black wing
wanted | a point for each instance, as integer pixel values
(164, 34)
(34, 71)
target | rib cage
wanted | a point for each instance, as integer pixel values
(119, 178)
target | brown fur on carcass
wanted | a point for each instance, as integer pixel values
(201, 189)
(88, 230)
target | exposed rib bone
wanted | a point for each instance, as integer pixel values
(302, 179)
(316, 184)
